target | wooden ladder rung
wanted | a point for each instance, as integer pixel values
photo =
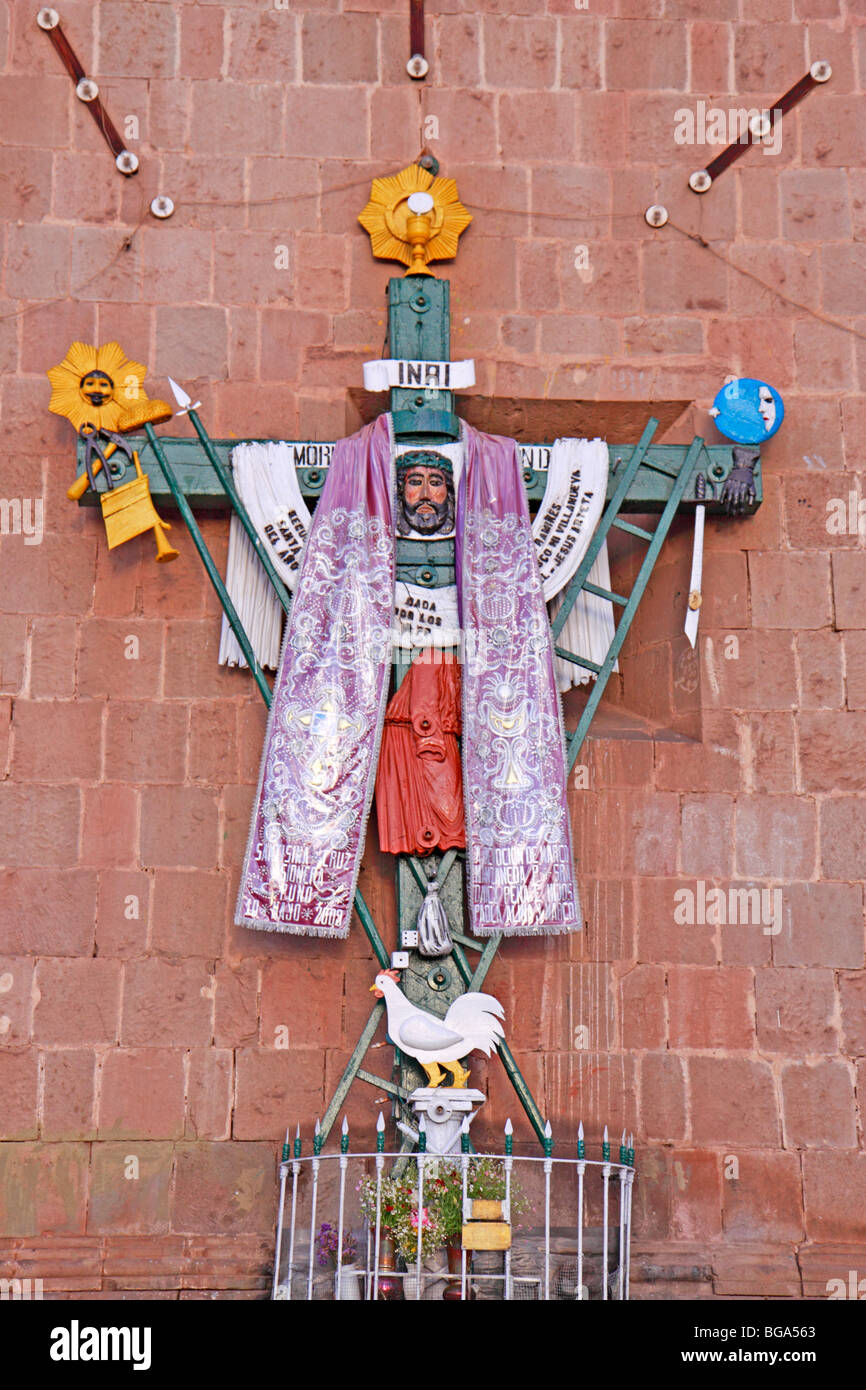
(605, 593)
(632, 529)
(576, 660)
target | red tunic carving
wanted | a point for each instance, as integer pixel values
(419, 786)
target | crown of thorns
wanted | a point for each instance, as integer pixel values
(424, 458)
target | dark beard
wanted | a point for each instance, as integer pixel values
(426, 525)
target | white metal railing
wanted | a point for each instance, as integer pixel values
(320, 1183)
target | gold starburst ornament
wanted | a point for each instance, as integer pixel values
(101, 388)
(415, 218)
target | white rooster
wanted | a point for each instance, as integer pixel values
(472, 1022)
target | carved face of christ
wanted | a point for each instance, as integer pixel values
(426, 500)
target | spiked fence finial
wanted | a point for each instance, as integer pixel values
(464, 1135)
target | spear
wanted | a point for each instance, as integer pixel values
(628, 1213)
(422, 1150)
(605, 1173)
(284, 1168)
(548, 1169)
(509, 1164)
(317, 1149)
(581, 1170)
(207, 560)
(464, 1173)
(344, 1150)
(227, 483)
(296, 1169)
(380, 1163)
(622, 1172)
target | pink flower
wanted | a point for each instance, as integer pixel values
(425, 1219)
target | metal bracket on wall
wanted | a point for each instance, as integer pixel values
(87, 91)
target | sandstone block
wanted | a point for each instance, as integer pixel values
(818, 1104)
(795, 1009)
(711, 1007)
(765, 1201)
(733, 1102)
(224, 1188)
(78, 1001)
(129, 1188)
(165, 1004)
(43, 1188)
(141, 1096)
(68, 1095)
(822, 924)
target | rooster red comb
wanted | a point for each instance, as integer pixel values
(392, 975)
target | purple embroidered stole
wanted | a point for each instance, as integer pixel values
(518, 835)
(321, 749)
(319, 762)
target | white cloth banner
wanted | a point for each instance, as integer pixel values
(570, 509)
(267, 483)
(428, 376)
(564, 525)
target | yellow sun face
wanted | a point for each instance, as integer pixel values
(96, 388)
(101, 389)
(400, 233)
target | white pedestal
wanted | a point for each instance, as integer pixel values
(444, 1109)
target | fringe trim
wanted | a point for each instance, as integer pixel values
(549, 929)
(293, 928)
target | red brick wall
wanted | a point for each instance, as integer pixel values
(134, 1018)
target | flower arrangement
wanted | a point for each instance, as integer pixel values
(328, 1239)
(398, 1212)
(442, 1213)
(485, 1180)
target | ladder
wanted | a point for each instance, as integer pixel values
(580, 583)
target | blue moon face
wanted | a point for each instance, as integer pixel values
(748, 411)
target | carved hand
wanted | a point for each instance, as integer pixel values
(739, 489)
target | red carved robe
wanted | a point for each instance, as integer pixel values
(419, 787)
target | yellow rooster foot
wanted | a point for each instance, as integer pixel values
(459, 1075)
(435, 1074)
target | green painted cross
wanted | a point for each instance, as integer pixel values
(644, 478)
